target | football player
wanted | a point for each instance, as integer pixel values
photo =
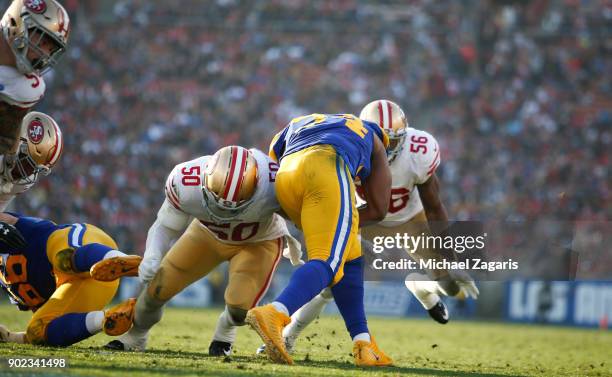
(63, 276)
(320, 156)
(413, 156)
(40, 147)
(34, 37)
(217, 208)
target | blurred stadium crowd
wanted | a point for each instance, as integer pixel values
(516, 92)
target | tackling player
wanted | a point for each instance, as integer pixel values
(62, 275)
(218, 208)
(413, 156)
(34, 37)
(320, 156)
(38, 150)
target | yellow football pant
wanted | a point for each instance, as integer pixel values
(316, 191)
(197, 252)
(75, 293)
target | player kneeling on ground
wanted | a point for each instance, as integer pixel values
(230, 197)
(62, 275)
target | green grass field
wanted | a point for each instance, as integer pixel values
(178, 347)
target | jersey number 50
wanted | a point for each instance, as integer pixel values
(237, 233)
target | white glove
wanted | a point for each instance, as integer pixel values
(466, 283)
(293, 251)
(148, 268)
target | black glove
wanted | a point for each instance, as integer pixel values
(11, 237)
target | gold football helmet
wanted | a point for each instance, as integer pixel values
(230, 181)
(28, 25)
(39, 148)
(390, 117)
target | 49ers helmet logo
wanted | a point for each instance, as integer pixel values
(35, 131)
(36, 6)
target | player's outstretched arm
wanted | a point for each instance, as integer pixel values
(166, 229)
(376, 187)
(8, 336)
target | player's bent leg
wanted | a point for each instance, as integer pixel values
(328, 217)
(183, 265)
(301, 319)
(348, 294)
(250, 274)
(114, 267)
(426, 292)
(73, 313)
(304, 316)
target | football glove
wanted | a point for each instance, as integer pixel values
(466, 283)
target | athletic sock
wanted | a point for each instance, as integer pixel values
(226, 328)
(364, 336)
(90, 254)
(306, 282)
(348, 294)
(73, 327)
(306, 314)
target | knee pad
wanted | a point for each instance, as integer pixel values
(64, 261)
(237, 315)
(36, 332)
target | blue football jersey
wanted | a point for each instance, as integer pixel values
(351, 137)
(27, 274)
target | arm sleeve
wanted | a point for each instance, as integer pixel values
(169, 226)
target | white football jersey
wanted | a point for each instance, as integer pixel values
(18, 89)
(258, 222)
(9, 190)
(415, 163)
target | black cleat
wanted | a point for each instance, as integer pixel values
(218, 348)
(115, 345)
(439, 313)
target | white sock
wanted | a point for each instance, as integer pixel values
(280, 307)
(114, 253)
(226, 328)
(362, 336)
(305, 315)
(93, 321)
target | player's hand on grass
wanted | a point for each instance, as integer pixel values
(11, 237)
(466, 283)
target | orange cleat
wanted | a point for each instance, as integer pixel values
(118, 319)
(113, 268)
(269, 323)
(367, 354)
